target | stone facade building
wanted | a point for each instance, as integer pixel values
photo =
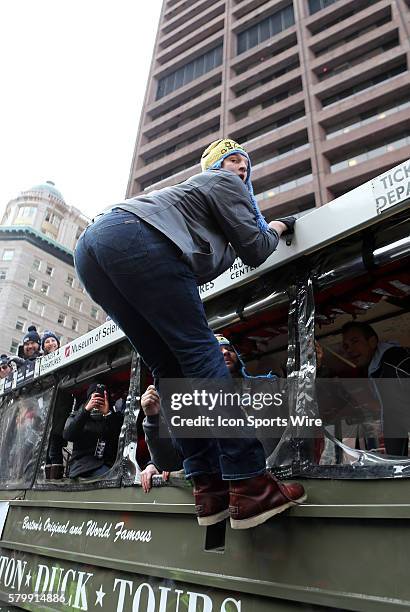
(38, 284)
(317, 90)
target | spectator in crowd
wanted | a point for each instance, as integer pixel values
(382, 360)
(54, 468)
(50, 342)
(231, 357)
(165, 453)
(94, 429)
(5, 366)
(30, 347)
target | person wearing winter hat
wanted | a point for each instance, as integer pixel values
(142, 260)
(30, 348)
(227, 154)
(5, 366)
(54, 468)
(49, 342)
(165, 454)
(94, 428)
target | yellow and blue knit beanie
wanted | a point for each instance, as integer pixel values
(214, 155)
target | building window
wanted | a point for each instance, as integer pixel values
(20, 323)
(94, 312)
(376, 80)
(31, 282)
(49, 270)
(8, 254)
(40, 308)
(187, 73)
(61, 318)
(52, 218)
(26, 302)
(376, 114)
(297, 182)
(3, 274)
(74, 324)
(36, 263)
(14, 346)
(6, 217)
(78, 304)
(70, 280)
(318, 5)
(66, 299)
(265, 29)
(26, 212)
(371, 153)
(44, 288)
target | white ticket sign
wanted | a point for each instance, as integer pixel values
(392, 187)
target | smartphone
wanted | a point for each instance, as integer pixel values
(100, 389)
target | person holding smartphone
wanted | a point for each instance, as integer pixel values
(94, 430)
(142, 261)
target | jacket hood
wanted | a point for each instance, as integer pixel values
(241, 368)
(375, 363)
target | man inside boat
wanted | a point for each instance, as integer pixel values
(142, 261)
(382, 360)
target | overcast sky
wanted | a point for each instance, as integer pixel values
(73, 76)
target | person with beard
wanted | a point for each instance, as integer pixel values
(30, 347)
(165, 454)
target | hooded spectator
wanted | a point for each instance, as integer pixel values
(94, 428)
(50, 342)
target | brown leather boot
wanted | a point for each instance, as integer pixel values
(211, 495)
(254, 500)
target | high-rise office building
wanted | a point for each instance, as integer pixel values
(38, 283)
(318, 91)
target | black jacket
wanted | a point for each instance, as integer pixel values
(163, 451)
(211, 219)
(394, 363)
(391, 367)
(85, 430)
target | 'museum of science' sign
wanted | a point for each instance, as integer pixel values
(38, 583)
(96, 339)
(392, 187)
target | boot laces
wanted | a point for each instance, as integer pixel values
(282, 488)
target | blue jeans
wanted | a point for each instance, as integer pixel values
(138, 277)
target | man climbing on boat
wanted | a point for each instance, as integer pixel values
(142, 261)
